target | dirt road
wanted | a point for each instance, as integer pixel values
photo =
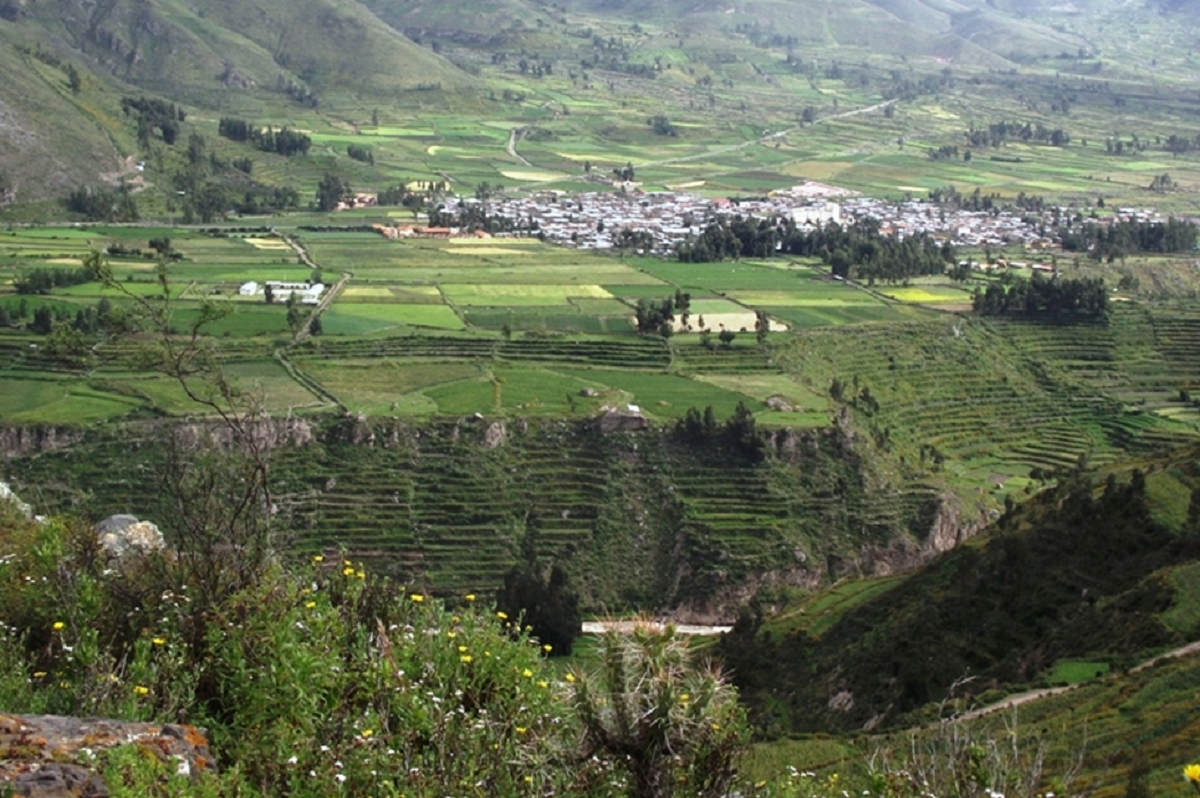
(1033, 695)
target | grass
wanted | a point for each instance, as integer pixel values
(48, 401)
(1069, 671)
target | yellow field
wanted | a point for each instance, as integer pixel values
(368, 291)
(537, 177)
(266, 243)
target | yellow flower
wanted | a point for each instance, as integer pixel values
(547, 648)
(529, 779)
(543, 683)
(451, 635)
(716, 727)
(367, 733)
(502, 616)
(469, 597)
(686, 697)
(361, 574)
(417, 597)
(39, 675)
(309, 604)
(465, 658)
(347, 563)
(58, 626)
(521, 730)
(348, 571)
(140, 690)
(319, 558)
(571, 678)
(158, 641)
(462, 649)
(528, 674)
(1191, 772)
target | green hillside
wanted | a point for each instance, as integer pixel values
(1078, 574)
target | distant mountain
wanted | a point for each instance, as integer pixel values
(209, 56)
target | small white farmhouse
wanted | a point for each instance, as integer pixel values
(248, 289)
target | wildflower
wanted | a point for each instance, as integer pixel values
(366, 733)
(521, 730)
(318, 558)
(686, 697)
(462, 649)
(158, 641)
(451, 635)
(543, 683)
(39, 675)
(528, 674)
(469, 597)
(465, 658)
(417, 597)
(348, 571)
(141, 690)
(308, 605)
(758, 785)
(292, 759)
(341, 777)
(571, 678)
(529, 779)
(361, 575)
(502, 615)
(716, 727)
(1192, 774)
(547, 648)
(58, 626)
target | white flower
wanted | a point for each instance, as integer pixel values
(340, 777)
(292, 760)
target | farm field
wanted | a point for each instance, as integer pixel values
(515, 328)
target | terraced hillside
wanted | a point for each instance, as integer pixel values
(639, 520)
(988, 399)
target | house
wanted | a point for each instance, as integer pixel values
(248, 289)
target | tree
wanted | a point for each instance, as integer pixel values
(269, 294)
(674, 728)
(541, 597)
(727, 337)
(43, 320)
(74, 81)
(330, 192)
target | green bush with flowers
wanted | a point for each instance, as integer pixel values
(318, 679)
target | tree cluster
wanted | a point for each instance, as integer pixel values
(42, 280)
(150, 114)
(658, 315)
(1039, 296)
(997, 133)
(103, 204)
(362, 154)
(285, 142)
(738, 434)
(1128, 237)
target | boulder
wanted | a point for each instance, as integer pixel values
(122, 535)
(495, 435)
(779, 404)
(7, 495)
(588, 393)
(622, 421)
(49, 756)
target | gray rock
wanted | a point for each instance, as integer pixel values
(622, 421)
(122, 535)
(48, 756)
(779, 403)
(7, 495)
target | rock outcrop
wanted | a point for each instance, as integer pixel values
(7, 495)
(622, 421)
(48, 756)
(122, 535)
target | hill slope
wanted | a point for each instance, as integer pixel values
(1072, 574)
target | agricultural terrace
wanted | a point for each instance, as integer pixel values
(515, 327)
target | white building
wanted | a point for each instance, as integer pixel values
(817, 214)
(248, 289)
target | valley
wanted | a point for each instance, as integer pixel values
(867, 330)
